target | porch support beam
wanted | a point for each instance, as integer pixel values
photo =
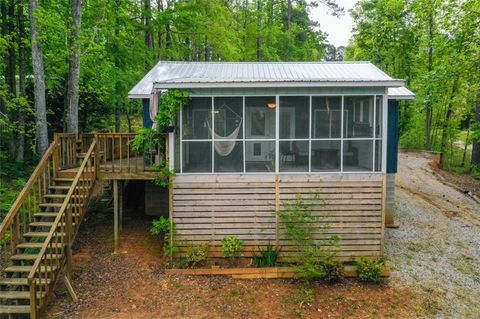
(116, 218)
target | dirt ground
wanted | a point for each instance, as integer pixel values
(434, 257)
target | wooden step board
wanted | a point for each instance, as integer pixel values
(14, 310)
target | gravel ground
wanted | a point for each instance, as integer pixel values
(437, 246)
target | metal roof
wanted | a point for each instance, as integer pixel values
(190, 75)
(400, 93)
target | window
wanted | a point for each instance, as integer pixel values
(314, 134)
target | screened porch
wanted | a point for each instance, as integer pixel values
(286, 134)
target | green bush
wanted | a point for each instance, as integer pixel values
(300, 224)
(232, 247)
(197, 254)
(163, 225)
(266, 258)
(370, 270)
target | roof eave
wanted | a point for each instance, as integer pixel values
(276, 84)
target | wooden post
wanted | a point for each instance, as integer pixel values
(70, 290)
(384, 204)
(120, 199)
(33, 300)
(68, 237)
(277, 209)
(170, 213)
(115, 216)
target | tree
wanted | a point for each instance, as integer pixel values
(71, 118)
(38, 81)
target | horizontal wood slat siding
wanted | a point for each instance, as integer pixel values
(207, 208)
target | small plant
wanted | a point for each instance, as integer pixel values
(232, 247)
(266, 258)
(370, 270)
(300, 224)
(197, 254)
(163, 225)
(164, 178)
(170, 103)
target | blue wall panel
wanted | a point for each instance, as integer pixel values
(392, 136)
(147, 122)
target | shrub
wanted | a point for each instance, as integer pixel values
(163, 225)
(370, 270)
(197, 254)
(232, 247)
(266, 258)
(300, 223)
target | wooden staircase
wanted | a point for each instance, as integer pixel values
(37, 234)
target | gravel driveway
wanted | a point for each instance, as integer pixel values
(437, 246)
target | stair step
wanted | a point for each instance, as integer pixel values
(46, 205)
(27, 269)
(36, 234)
(60, 196)
(36, 245)
(33, 256)
(17, 294)
(45, 224)
(19, 281)
(43, 214)
(59, 187)
(63, 179)
(14, 310)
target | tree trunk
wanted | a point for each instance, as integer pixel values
(259, 30)
(476, 143)
(117, 66)
(428, 107)
(74, 68)
(38, 81)
(445, 125)
(289, 13)
(21, 76)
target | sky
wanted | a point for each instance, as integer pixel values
(339, 30)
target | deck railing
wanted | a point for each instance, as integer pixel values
(56, 250)
(117, 154)
(15, 223)
(67, 156)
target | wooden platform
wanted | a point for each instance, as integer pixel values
(256, 273)
(133, 168)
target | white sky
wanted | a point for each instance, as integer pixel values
(339, 29)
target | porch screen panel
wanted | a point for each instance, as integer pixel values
(196, 144)
(326, 116)
(294, 115)
(228, 138)
(260, 131)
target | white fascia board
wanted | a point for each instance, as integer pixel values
(402, 97)
(138, 96)
(208, 85)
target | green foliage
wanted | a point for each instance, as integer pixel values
(197, 254)
(164, 176)
(266, 258)
(232, 247)
(434, 45)
(300, 223)
(170, 104)
(370, 270)
(168, 229)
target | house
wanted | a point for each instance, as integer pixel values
(255, 135)
(252, 137)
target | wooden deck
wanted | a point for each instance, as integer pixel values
(132, 168)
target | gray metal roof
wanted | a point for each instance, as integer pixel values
(190, 75)
(400, 93)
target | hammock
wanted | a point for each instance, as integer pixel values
(224, 148)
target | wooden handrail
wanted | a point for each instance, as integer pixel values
(15, 208)
(66, 226)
